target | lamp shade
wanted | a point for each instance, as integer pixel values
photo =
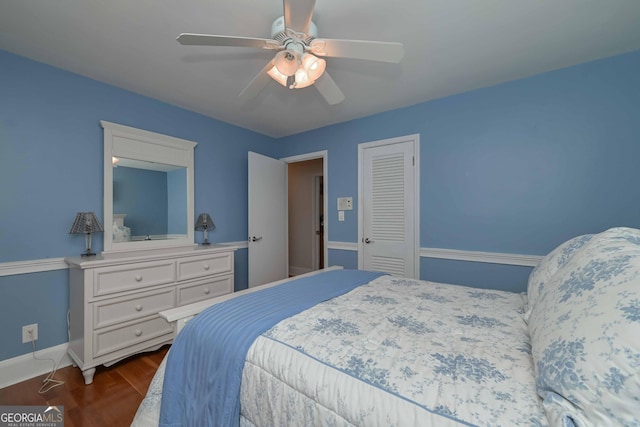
(85, 223)
(286, 62)
(277, 76)
(313, 65)
(302, 79)
(294, 70)
(205, 222)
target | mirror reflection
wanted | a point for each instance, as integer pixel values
(149, 200)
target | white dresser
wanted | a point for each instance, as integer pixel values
(114, 300)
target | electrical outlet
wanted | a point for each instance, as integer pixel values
(29, 332)
(345, 203)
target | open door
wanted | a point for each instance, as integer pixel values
(268, 234)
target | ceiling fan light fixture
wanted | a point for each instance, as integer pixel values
(305, 73)
(313, 66)
(277, 76)
(299, 54)
(286, 61)
(302, 79)
(298, 80)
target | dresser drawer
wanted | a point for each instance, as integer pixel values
(205, 289)
(108, 280)
(203, 266)
(113, 339)
(118, 310)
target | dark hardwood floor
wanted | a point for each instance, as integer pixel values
(111, 400)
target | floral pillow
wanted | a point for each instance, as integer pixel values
(550, 264)
(585, 334)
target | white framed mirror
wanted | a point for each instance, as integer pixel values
(148, 190)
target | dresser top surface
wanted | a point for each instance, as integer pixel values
(101, 260)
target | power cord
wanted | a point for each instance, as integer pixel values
(49, 382)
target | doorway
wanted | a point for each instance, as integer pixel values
(305, 180)
(269, 211)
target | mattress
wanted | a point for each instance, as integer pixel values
(393, 351)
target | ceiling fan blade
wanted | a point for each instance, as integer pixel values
(231, 41)
(358, 49)
(257, 84)
(297, 14)
(329, 89)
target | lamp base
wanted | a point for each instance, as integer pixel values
(88, 253)
(206, 242)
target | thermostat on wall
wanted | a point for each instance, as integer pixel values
(345, 203)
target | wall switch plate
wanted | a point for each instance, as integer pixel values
(25, 333)
(345, 203)
(340, 215)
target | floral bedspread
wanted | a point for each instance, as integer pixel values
(396, 352)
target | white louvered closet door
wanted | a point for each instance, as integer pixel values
(388, 203)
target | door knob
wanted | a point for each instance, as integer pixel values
(255, 239)
(366, 240)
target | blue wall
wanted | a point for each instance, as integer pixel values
(41, 298)
(51, 149)
(515, 168)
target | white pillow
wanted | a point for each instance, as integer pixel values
(585, 334)
(550, 264)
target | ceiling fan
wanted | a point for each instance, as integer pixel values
(299, 61)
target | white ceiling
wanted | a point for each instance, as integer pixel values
(451, 46)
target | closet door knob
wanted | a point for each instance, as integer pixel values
(138, 332)
(206, 291)
(138, 278)
(206, 267)
(139, 307)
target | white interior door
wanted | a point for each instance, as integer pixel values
(388, 206)
(268, 235)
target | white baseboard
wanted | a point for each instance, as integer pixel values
(50, 264)
(460, 255)
(242, 244)
(343, 246)
(24, 367)
(296, 271)
(32, 266)
(479, 256)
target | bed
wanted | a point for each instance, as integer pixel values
(367, 349)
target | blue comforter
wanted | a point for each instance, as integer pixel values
(204, 366)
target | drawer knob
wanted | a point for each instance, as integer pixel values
(139, 307)
(206, 291)
(206, 267)
(138, 332)
(138, 277)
